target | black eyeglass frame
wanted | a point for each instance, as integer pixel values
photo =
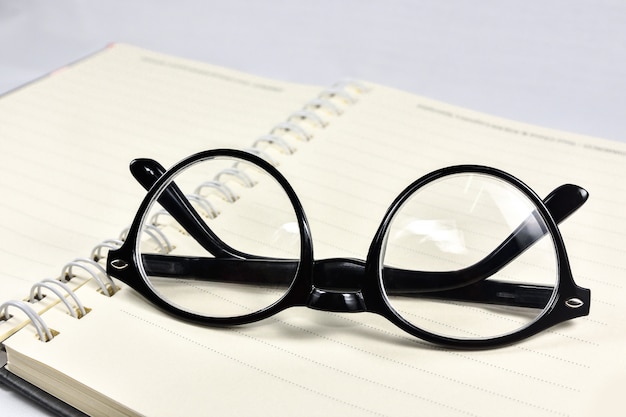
(568, 301)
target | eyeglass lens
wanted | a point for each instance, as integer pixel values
(238, 211)
(452, 231)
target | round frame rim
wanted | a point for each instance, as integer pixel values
(291, 296)
(374, 263)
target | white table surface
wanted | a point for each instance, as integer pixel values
(559, 64)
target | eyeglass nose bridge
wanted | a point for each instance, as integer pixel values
(337, 285)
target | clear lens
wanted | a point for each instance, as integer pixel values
(221, 239)
(467, 256)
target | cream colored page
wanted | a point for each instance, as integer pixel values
(389, 139)
(67, 140)
(313, 363)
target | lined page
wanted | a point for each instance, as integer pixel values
(67, 140)
(388, 140)
(315, 363)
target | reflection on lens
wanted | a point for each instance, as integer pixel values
(468, 257)
(235, 238)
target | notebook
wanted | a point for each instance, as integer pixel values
(68, 139)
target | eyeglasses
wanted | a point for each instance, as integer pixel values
(466, 256)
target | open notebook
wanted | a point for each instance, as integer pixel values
(67, 141)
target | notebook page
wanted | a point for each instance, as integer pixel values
(67, 140)
(391, 138)
(316, 363)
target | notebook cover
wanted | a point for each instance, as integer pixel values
(37, 395)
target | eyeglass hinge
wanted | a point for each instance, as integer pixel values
(119, 264)
(574, 302)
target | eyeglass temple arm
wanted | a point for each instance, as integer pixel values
(561, 203)
(343, 275)
(147, 172)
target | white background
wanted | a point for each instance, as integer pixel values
(559, 64)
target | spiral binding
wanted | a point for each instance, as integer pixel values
(283, 139)
(94, 269)
(36, 294)
(43, 331)
(226, 193)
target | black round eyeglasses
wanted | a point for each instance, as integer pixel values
(466, 256)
